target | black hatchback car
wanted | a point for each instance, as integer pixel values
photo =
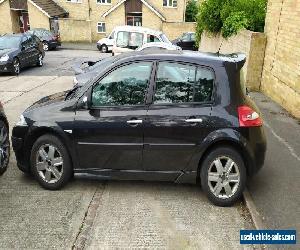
(18, 51)
(49, 39)
(172, 116)
(186, 41)
(4, 141)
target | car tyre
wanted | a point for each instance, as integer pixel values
(4, 147)
(104, 48)
(223, 176)
(50, 162)
(45, 46)
(16, 67)
(40, 60)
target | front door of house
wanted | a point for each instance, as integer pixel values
(133, 12)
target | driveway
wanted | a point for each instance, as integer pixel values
(102, 214)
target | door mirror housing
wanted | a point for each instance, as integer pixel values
(85, 102)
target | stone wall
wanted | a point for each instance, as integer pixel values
(72, 30)
(250, 43)
(5, 20)
(37, 19)
(175, 29)
(281, 71)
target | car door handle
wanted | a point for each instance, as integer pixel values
(135, 122)
(194, 120)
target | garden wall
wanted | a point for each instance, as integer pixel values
(250, 43)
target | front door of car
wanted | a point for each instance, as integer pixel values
(179, 117)
(110, 134)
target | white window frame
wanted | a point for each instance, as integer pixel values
(101, 23)
(106, 3)
(170, 6)
(74, 1)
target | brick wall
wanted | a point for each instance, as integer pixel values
(250, 43)
(5, 23)
(281, 71)
(73, 30)
(37, 19)
(175, 29)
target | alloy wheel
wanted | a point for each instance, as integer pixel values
(49, 163)
(45, 46)
(40, 62)
(223, 177)
(16, 65)
(4, 146)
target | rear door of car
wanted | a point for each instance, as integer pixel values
(179, 117)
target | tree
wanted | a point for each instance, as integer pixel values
(191, 11)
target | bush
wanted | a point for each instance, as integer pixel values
(191, 11)
(230, 16)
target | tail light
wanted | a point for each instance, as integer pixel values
(248, 117)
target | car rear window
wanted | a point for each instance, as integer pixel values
(130, 40)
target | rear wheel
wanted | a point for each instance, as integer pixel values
(4, 147)
(50, 162)
(223, 176)
(104, 48)
(45, 46)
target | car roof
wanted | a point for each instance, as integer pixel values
(137, 29)
(187, 56)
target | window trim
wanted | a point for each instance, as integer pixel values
(73, 1)
(170, 6)
(101, 32)
(106, 3)
(153, 88)
(147, 92)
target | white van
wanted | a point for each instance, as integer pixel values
(128, 38)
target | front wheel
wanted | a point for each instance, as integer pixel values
(223, 176)
(4, 147)
(16, 66)
(50, 162)
(45, 46)
(40, 61)
(104, 48)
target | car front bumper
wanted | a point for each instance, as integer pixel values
(6, 67)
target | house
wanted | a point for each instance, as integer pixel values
(90, 20)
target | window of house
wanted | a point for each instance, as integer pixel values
(124, 86)
(170, 3)
(101, 27)
(182, 83)
(74, 1)
(104, 1)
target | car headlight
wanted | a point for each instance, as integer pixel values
(4, 58)
(22, 121)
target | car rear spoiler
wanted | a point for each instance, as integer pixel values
(238, 59)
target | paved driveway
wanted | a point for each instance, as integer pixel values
(95, 214)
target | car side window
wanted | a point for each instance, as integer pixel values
(182, 83)
(185, 37)
(152, 38)
(193, 37)
(126, 85)
(25, 42)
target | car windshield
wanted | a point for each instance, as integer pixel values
(9, 42)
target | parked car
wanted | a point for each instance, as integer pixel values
(186, 41)
(106, 44)
(4, 141)
(129, 38)
(49, 39)
(18, 51)
(172, 116)
(158, 46)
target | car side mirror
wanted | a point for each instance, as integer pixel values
(22, 48)
(85, 102)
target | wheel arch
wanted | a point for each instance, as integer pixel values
(40, 131)
(225, 142)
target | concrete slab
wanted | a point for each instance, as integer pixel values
(7, 96)
(24, 83)
(163, 216)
